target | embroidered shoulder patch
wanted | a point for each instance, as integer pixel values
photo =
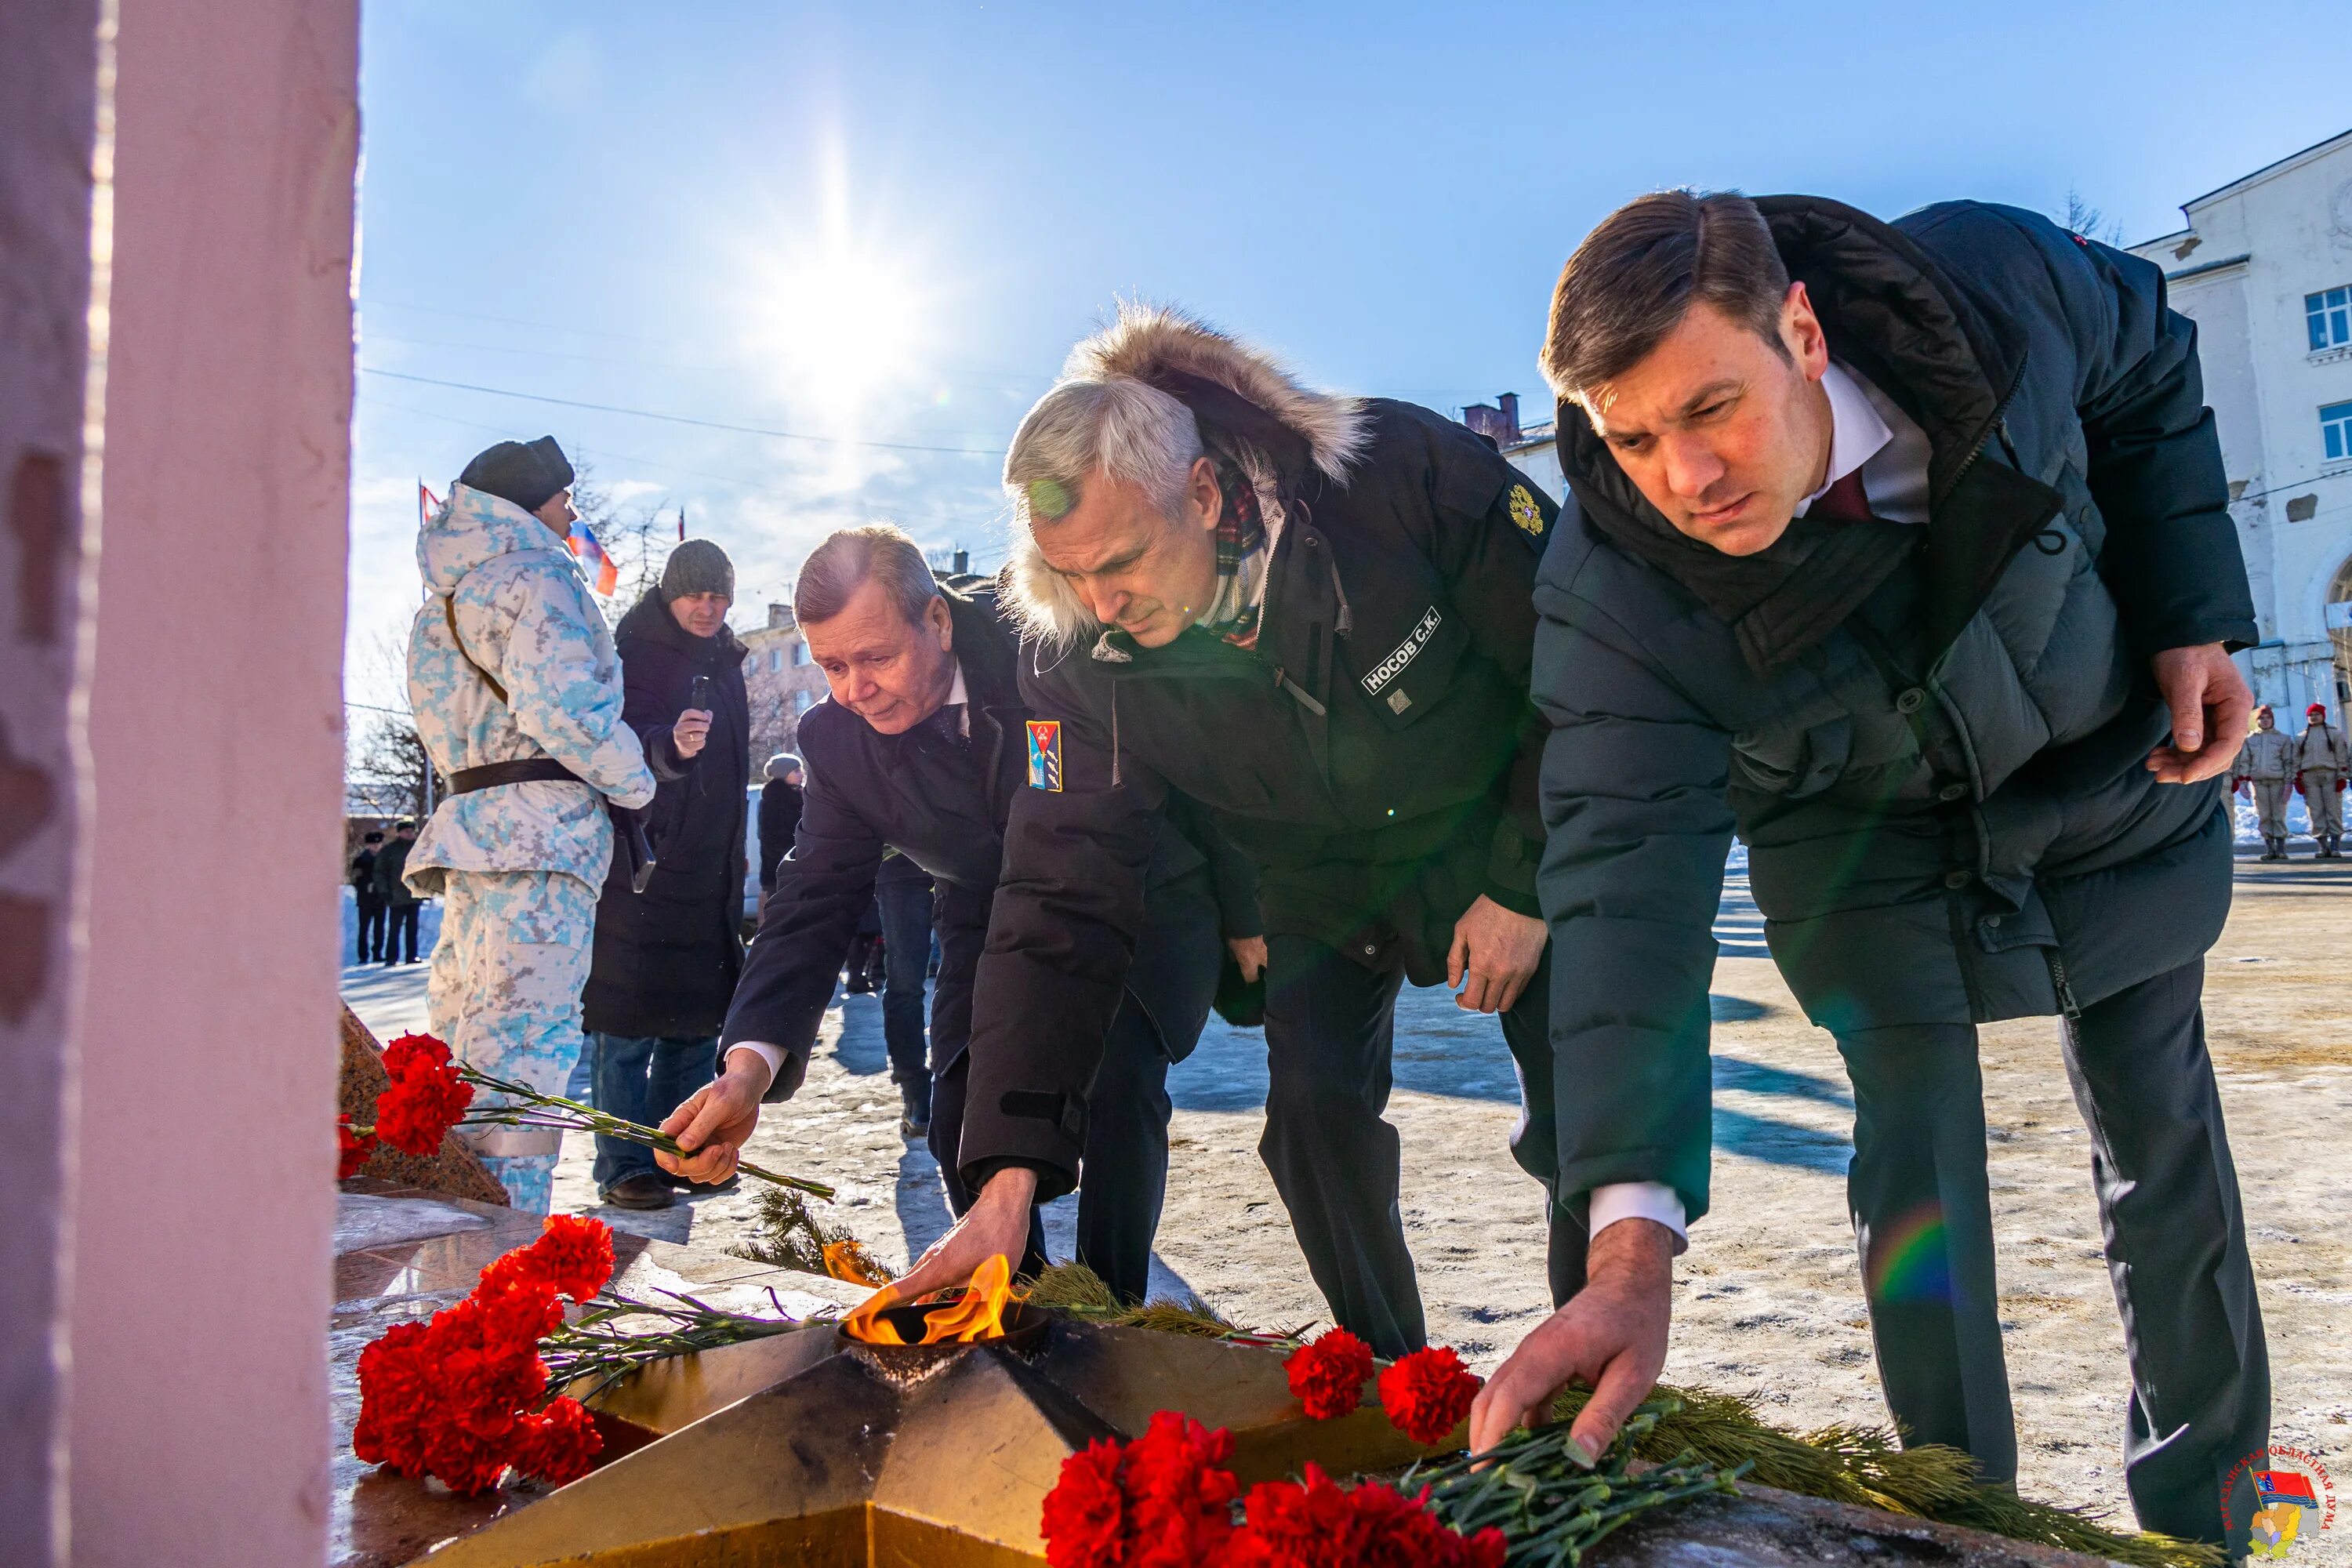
(1406, 652)
(1526, 513)
(1045, 754)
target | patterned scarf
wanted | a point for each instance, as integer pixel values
(1245, 548)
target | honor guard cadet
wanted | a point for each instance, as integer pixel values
(923, 747)
(1310, 614)
(2321, 761)
(517, 689)
(2267, 763)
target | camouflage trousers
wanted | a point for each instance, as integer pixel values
(505, 992)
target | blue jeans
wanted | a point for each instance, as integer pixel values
(641, 1079)
(906, 964)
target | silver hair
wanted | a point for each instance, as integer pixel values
(1114, 426)
(848, 557)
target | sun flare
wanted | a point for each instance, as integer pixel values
(841, 310)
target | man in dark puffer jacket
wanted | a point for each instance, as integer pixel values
(1904, 552)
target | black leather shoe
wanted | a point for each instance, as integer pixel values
(640, 1190)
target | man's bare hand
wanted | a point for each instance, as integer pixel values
(692, 728)
(996, 1224)
(1494, 954)
(1249, 952)
(716, 1121)
(2209, 705)
(1612, 1333)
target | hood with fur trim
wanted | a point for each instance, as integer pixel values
(1167, 348)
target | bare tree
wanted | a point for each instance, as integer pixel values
(388, 771)
(2081, 217)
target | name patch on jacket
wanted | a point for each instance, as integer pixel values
(1406, 652)
(1045, 754)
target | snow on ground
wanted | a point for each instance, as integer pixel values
(1768, 1299)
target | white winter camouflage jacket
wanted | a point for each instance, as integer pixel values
(526, 617)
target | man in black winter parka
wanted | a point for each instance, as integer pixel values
(666, 957)
(923, 748)
(1310, 614)
(1903, 552)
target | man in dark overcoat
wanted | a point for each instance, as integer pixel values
(666, 957)
(1903, 552)
(923, 748)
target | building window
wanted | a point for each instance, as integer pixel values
(800, 653)
(775, 659)
(803, 700)
(2336, 430)
(2329, 317)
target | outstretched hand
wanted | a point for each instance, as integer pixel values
(715, 1122)
(996, 1224)
(1612, 1333)
(2211, 705)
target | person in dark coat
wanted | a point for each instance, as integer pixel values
(903, 895)
(923, 748)
(1310, 615)
(780, 815)
(665, 959)
(1903, 552)
(370, 905)
(401, 904)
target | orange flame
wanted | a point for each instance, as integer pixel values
(977, 1315)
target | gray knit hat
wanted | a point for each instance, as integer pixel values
(697, 566)
(781, 765)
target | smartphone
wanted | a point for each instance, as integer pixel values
(697, 696)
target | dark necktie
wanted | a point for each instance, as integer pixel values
(950, 719)
(1843, 501)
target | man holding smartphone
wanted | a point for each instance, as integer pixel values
(666, 958)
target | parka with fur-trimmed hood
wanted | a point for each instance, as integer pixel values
(1375, 753)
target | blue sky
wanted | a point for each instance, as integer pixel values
(887, 225)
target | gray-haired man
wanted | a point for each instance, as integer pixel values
(1310, 612)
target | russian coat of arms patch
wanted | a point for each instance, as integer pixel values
(1045, 754)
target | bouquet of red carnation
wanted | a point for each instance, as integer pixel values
(430, 1095)
(454, 1397)
(1165, 1501)
(1327, 1374)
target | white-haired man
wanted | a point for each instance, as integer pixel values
(1310, 612)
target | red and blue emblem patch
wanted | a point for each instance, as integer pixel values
(1045, 754)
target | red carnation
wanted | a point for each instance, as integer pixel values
(1327, 1374)
(1086, 1513)
(352, 1149)
(574, 1254)
(1180, 1495)
(1427, 1393)
(1315, 1524)
(424, 1098)
(558, 1445)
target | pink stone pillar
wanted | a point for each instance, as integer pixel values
(49, 121)
(202, 1222)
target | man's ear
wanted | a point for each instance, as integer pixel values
(1801, 334)
(936, 613)
(1207, 499)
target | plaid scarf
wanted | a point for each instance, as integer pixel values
(1244, 550)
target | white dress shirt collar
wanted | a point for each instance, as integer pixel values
(1856, 432)
(958, 700)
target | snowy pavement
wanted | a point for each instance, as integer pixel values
(1769, 1301)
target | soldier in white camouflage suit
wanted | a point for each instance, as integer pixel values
(524, 719)
(2322, 759)
(2267, 762)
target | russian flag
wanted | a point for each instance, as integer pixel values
(591, 554)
